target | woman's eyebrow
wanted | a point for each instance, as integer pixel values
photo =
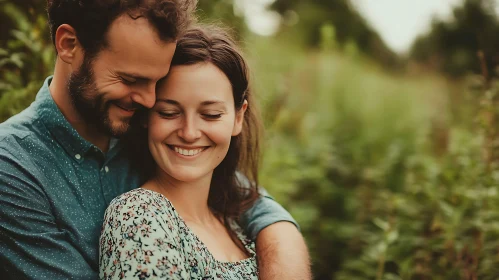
(204, 103)
(212, 102)
(168, 101)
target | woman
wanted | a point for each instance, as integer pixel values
(182, 223)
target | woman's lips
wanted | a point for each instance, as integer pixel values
(187, 151)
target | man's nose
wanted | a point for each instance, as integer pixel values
(145, 96)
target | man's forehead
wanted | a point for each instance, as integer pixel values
(133, 46)
(125, 31)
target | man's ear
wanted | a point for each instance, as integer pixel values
(66, 43)
(238, 124)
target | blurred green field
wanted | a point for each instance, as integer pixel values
(384, 180)
(391, 175)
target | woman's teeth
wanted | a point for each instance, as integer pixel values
(187, 152)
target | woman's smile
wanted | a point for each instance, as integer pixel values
(188, 152)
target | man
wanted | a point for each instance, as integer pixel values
(61, 160)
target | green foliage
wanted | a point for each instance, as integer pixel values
(26, 57)
(384, 179)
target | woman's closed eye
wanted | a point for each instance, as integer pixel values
(212, 116)
(168, 114)
(174, 114)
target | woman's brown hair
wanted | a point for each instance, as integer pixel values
(230, 193)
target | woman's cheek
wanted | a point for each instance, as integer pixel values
(221, 133)
(158, 128)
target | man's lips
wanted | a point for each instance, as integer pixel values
(126, 108)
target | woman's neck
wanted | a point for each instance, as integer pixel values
(190, 199)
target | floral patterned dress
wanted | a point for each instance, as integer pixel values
(143, 237)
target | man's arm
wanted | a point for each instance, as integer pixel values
(282, 253)
(281, 250)
(31, 244)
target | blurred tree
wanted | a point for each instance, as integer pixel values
(452, 46)
(306, 17)
(223, 11)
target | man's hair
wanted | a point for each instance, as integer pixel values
(91, 19)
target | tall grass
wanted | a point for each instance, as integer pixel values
(383, 179)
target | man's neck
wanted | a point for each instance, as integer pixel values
(60, 93)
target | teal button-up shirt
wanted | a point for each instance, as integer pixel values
(54, 189)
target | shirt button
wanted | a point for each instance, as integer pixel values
(77, 156)
(106, 168)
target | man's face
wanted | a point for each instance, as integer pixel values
(108, 89)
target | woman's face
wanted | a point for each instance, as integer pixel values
(191, 124)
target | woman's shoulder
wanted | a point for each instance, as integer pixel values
(144, 204)
(142, 198)
(141, 233)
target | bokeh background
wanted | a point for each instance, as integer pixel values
(387, 155)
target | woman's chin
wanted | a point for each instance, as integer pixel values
(188, 174)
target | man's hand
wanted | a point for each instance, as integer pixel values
(282, 253)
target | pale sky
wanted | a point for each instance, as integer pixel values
(259, 19)
(398, 22)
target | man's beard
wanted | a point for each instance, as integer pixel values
(89, 103)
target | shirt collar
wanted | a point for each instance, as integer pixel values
(59, 126)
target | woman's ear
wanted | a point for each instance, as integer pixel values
(143, 118)
(238, 123)
(66, 43)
